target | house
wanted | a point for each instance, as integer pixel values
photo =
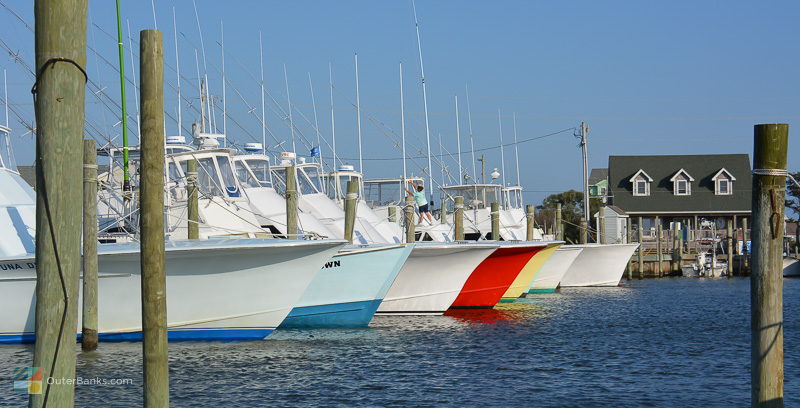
(680, 191)
(614, 225)
(598, 183)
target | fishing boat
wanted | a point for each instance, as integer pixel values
(598, 265)
(350, 287)
(492, 278)
(791, 267)
(553, 269)
(477, 210)
(523, 281)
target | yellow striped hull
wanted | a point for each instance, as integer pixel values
(528, 273)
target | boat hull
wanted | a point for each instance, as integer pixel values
(520, 285)
(599, 265)
(432, 278)
(349, 288)
(492, 278)
(791, 267)
(231, 289)
(553, 270)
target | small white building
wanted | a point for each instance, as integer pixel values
(615, 223)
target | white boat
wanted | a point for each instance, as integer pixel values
(477, 209)
(598, 265)
(549, 276)
(791, 267)
(432, 277)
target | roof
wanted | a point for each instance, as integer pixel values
(597, 175)
(661, 169)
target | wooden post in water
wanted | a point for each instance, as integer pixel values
(409, 211)
(745, 252)
(495, 208)
(89, 313)
(695, 229)
(628, 236)
(154, 285)
(392, 213)
(766, 283)
(350, 201)
(640, 251)
(583, 231)
(530, 217)
(194, 206)
(291, 202)
(559, 224)
(60, 39)
(443, 212)
(729, 249)
(601, 227)
(659, 259)
(458, 218)
(676, 263)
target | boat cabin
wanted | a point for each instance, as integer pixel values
(476, 196)
(387, 192)
(336, 182)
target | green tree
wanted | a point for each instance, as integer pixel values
(793, 194)
(571, 212)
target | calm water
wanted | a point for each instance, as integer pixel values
(654, 343)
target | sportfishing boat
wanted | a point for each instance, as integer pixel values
(477, 210)
(221, 289)
(491, 279)
(598, 265)
(523, 281)
(553, 269)
(350, 287)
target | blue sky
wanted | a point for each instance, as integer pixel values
(676, 77)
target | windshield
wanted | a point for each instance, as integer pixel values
(207, 180)
(260, 169)
(228, 178)
(308, 177)
(279, 175)
(476, 196)
(244, 176)
(378, 194)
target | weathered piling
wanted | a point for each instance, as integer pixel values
(745, 252)
(584, 231)
(766, 282)
(628, 236)
(59, 95)
(194, 206)
(291, 202)
(729, 249)
(350, 202)
(443, 212)
(659, 248)
(409, 212)
(458, 218)
(601, 227)
(89, 312)
(495, 207)
(559, 224)
(640, 251)
(392, 213)
(154, 288)
(676, 260)
(530, 218)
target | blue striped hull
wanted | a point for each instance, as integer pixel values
(341, 315)
(209, 334)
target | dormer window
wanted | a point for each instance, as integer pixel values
(723, 182)
(682, 183)
(641, 183)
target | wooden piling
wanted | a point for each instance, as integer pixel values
(676, 263)
(640, 251)
(601, 227)
(458, 218)
(60, 40)
(628, 236)
(291, 202)
(350, 201)
(194, 206)
(659, 258)
(559, 224)
(409, 219)
(392, 214)
(745, 252)
(583, 231)
(530, 218)
(89, 312)
(766, 281)
(495, 213)
(443, 212)
(154, 288)
(729, 249)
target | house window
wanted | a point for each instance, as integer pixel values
(724, 187)
(682, 187)
(642, 188)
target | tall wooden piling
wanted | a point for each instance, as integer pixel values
(729, 249)
(584, 231)
(154, 288)
(443, 212)
(89, 312)
(60, 39)
(766, 282)
(392, 214)
(559, 224)
(601, 227)
(350, 201)
(659, 248)
(291, 202)
(640, 251)
(495, 207)
(530, 219)
(745, 252)
(676, 263)
(409, 219)
(193, 203)
(458, 218)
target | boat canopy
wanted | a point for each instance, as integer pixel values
(475, 195)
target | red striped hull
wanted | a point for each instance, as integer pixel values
(492, 278)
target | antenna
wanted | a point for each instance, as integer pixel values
(516, 147)
(224, 99)
(441, 158)
(177, 70)
(263, 102)
(358, 114)
(126, 178)
(5, 94)
(133, 76)
(333, 120)
(200, 87)
(153, 6)
(424, 97)
(316, 123)
(211, 116)
(403, 124)
(289, 101)
(458, 140)
(502, 149)
(471, 139)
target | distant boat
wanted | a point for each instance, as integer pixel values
(554, 269)
(599, 265)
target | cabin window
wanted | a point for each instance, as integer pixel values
(682, 187)
(641, 188)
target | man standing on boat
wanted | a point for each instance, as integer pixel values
(422, 201)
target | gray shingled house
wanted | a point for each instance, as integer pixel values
(681, 188)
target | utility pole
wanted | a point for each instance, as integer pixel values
(587, 216)
(59, 100)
